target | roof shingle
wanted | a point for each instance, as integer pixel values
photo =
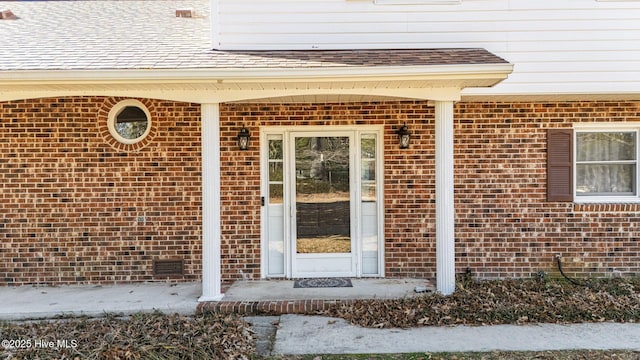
(111, 34)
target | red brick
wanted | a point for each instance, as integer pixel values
(79, 193)
(70, 195)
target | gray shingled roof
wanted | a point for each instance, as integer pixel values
(112, 34)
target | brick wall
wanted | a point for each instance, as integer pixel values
(505, 226)
(78, 207)
(409, 180)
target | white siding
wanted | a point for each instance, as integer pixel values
(559, 46)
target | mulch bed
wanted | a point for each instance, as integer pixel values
(503, 302)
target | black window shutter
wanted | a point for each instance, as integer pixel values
(560, 165)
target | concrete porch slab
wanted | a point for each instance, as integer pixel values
(40, 302)
(270, 290)
(276, 297)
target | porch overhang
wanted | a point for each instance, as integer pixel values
(427, 82)
(438, 75)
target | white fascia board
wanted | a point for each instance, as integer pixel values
(244, 75)
(490, 94)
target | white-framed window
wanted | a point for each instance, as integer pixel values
(129, 121)
(606, 164)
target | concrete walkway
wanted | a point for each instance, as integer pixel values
(298, 334)
(36, 302)
(32, 302)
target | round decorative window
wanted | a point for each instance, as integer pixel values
(129, 121)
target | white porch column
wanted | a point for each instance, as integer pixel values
(445, 209)
(211, 278)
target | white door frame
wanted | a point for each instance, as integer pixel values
(286, 245)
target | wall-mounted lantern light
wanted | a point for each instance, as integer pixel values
(243, 138)
(404, 136)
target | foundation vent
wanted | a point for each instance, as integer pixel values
(170, 267)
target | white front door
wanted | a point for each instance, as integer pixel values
(322, 202)
(322, 225)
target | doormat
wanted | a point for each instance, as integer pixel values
(322, 283)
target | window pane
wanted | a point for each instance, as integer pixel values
(131, 123)
(275, 194)
(368, 147)
(368, 170)
(275, 149)
(368, 167)
(606, 146)
(323, 204)
(368, 191)
(605, 179)
(275, 171)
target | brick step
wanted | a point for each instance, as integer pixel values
(270, 307)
